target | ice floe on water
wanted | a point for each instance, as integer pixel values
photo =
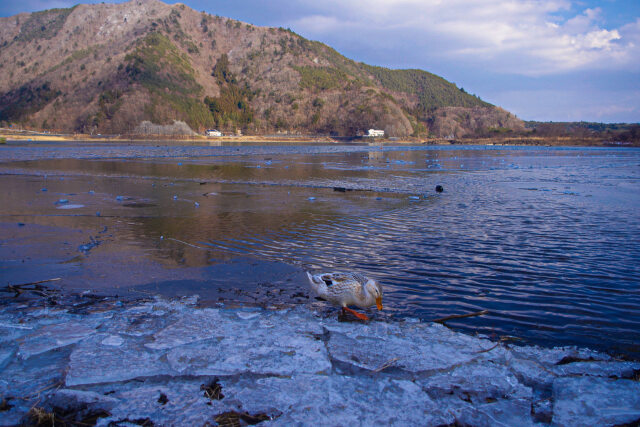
(70, 206)
(149, 361)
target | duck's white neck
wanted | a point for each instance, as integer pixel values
(369, 295)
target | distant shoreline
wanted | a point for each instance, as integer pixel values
(494, 141)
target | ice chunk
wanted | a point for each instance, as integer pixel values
(22, 378)
(415, 347)
(280, 363)
(257, 353)
(43, 313)
(186, 404)
(9, 332)
(268, 343)
(504, 413)
(133, 323)
(190, 300)
(113, 340)
(477, 383)
(595, 401)
(598, 369)
(542, 410)
(311, 399)
(14, 414)
(552, 356)
(74, 399)
(91, 363)
(194, 325)
(53, 336)
(532, 373)
(70, 206)
(6, 355)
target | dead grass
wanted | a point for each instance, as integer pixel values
(213, 390)
(237, 419)
(74, 417)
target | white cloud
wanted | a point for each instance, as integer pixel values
(526, 37)
(319, 24)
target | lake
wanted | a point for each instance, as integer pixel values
(546, 239)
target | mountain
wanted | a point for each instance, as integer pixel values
(106, 68)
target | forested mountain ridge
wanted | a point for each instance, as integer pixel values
(105, 68)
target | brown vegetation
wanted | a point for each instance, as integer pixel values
(603, 133)
(106, 68)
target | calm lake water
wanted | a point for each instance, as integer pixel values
(546, 239)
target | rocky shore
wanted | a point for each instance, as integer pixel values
(171, 362)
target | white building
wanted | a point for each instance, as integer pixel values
(212, 132)
(375, 133)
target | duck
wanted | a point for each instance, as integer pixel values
(344, 289)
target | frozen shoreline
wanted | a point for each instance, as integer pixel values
(147, 360)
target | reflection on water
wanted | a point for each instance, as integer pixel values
(545, 239)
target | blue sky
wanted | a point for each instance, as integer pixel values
(560, 60)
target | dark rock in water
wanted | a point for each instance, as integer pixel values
(439, 189)
(21, 224)
(340, 189)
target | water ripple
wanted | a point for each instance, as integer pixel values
(546, 239)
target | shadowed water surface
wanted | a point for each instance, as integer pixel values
(546, 239)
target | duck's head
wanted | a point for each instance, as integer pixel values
(374, 289)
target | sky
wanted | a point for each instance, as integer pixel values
(547, 60)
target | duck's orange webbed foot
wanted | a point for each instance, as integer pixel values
(360, 316)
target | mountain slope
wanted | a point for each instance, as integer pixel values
(108, 67)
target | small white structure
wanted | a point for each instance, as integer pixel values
(212, 132)
(375, 133)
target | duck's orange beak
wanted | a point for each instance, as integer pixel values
(379, 303)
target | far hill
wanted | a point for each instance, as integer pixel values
(106, 68)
